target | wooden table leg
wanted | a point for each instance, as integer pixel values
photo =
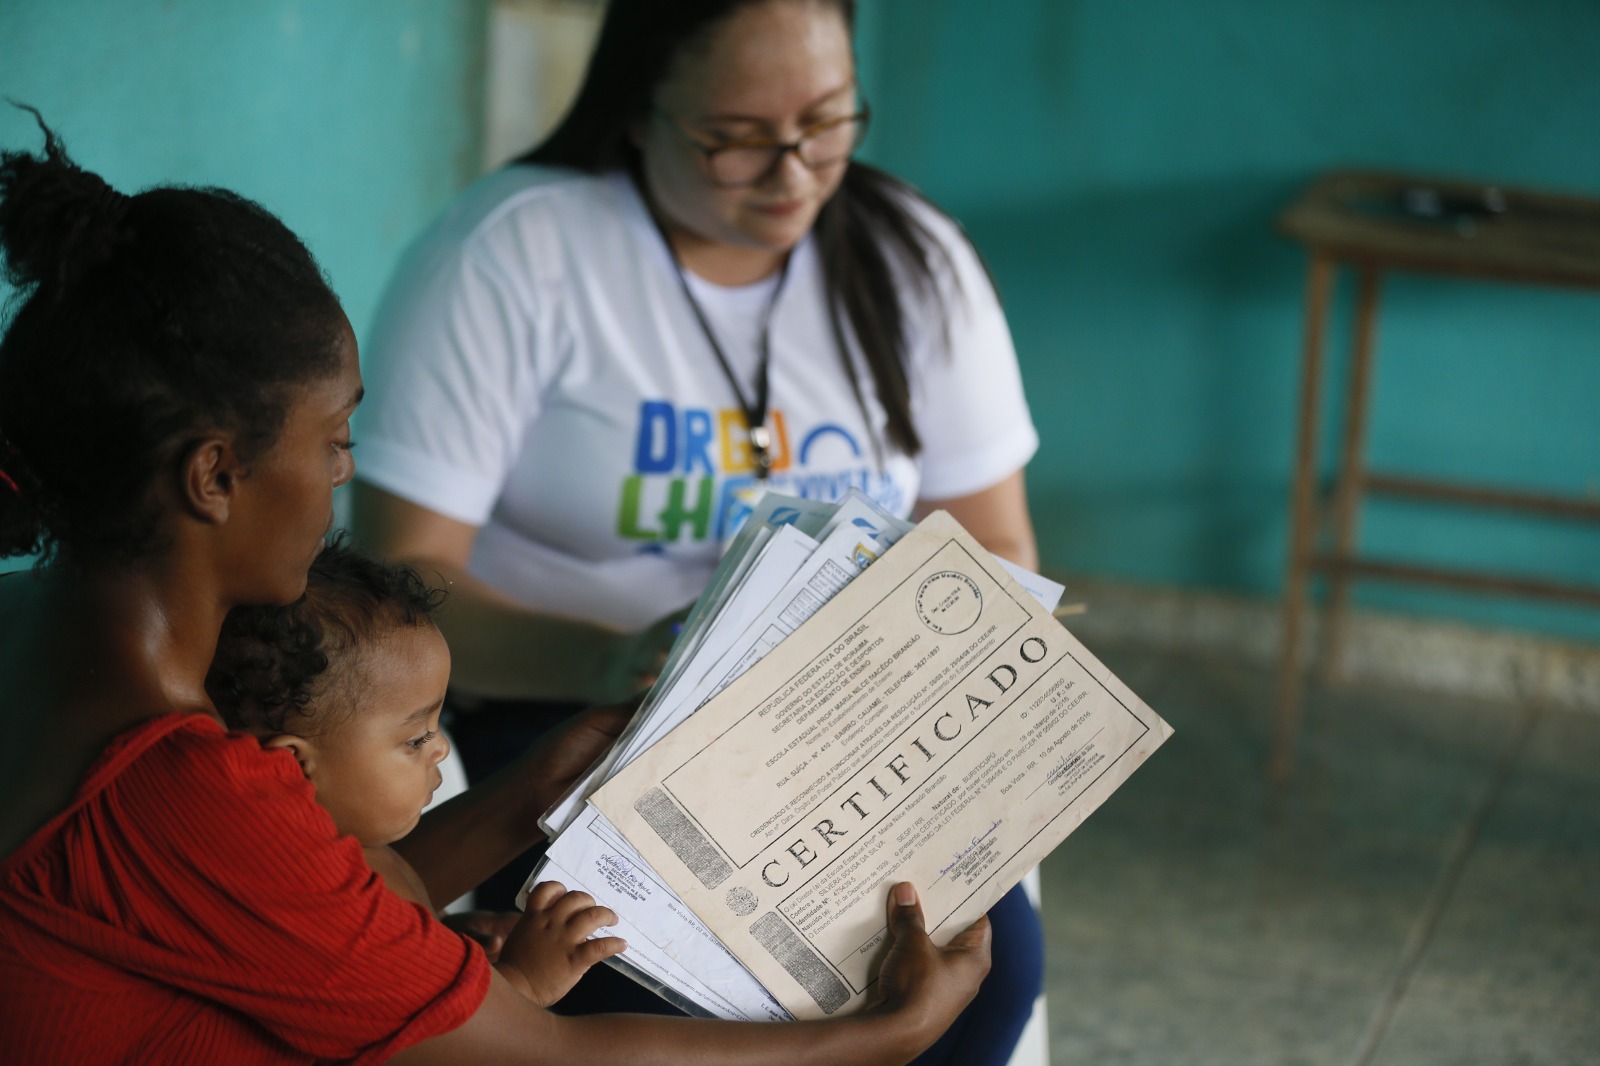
(1352, 473)
(1302, 520)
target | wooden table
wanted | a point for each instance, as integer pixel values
(1369, 223)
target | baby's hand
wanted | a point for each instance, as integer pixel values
(549, 948)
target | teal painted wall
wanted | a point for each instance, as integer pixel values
(352, 120)
(1118, 162)
(1120, 165)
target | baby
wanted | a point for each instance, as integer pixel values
(350, 679)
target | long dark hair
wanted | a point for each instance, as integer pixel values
(864, 233)
(141, 322)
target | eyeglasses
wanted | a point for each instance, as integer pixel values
(745, 162)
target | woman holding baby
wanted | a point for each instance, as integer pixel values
(176, 383)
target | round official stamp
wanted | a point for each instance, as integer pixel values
(741, 901)
(949, 602)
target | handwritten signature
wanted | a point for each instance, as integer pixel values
(968, 850)
(1068, 762)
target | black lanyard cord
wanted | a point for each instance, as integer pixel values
(755, 412)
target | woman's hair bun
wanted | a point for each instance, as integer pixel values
(57, 220)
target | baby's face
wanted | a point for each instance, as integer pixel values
(380, 766)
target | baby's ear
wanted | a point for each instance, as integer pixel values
(304, 752)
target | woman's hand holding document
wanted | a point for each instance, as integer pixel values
(928, 722)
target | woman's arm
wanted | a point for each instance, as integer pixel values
(499, 648)
(921, 989)
(997, 517)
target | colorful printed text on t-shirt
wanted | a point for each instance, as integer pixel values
(693, 473)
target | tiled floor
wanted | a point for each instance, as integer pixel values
(1426, 890)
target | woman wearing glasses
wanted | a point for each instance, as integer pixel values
(587, 370)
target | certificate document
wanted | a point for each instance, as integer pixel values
(930, 723)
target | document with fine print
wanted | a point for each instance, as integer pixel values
(901, 706)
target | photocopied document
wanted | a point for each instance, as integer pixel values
(791, 557)
(929, 721)
(752, 570)
(780, 575)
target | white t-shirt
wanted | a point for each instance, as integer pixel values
(536, 371)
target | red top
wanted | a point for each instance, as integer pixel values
(194, 904)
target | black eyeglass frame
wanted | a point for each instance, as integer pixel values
(779, 149)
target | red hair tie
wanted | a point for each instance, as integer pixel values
(7, 451)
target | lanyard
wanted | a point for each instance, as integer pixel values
(755, 411)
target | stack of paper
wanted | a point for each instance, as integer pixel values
(930, 721)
